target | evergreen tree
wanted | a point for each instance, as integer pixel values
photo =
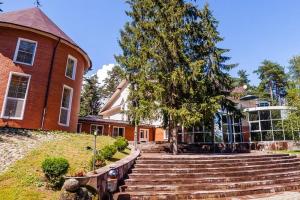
(0, 5)
(90, 100)
(294, 68)
(273, 81)
(169, 57)
(110, 83)
(243, 78)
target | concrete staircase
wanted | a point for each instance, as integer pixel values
(170, 177)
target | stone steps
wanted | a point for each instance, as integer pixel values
(210, 177)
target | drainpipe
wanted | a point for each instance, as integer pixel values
(48, 84)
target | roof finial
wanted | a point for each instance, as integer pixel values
(37, 3)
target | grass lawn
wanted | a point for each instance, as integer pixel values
(24, 179)
(292, 152)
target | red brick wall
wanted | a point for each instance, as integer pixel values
(108, 129)
(39, 77)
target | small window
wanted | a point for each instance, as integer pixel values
(118, 131)
(25, 51)
(71, 67)
(66, 102)
(97, 128)
(16, 96)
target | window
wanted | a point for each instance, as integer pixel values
(118, 131)
(25, 51)
(66, 102)
(16, 94)
(166, 134)
(79, 127)
(98, 128)
(71, 67)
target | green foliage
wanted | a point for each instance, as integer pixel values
(294, 68)
(172, 61)
(273, 80)
(99, 161)
(108, 152)
(243, 78)
(121, 143)
(54, 168)
(90, 97)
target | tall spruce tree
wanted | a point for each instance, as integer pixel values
(90, 101)
(273, 82)
(169, 56)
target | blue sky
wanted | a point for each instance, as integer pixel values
(254, 30)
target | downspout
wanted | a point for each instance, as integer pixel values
(48, 84)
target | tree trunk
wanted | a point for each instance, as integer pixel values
(213, 134)
(271, 91)
(174, 140)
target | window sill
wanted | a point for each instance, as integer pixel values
(22, 63)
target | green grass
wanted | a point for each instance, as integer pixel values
(292, 152)
(25, 180)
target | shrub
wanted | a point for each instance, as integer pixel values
(121, 143)
(108, 152)
(54, 168)
(99, 161)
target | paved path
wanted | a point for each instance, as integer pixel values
(14, 147)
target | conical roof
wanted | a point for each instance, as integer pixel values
(34, 18)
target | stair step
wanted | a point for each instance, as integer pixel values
(188, 174)
(164, 181)
(210, 186)
(212, 169)
(200, 165)
(202, 194)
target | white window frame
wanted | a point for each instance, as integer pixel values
(6, 96)
(148, 134)
(166, 135)
(118, 132)
(70, 106)
(17, 51)
(74, 69)
(97, 128)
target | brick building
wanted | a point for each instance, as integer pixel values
(41, 71)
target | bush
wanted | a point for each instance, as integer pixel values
(54, 168)
(121, 143)
(108, 152)
(99, 161)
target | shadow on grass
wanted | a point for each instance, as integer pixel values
(114, 159)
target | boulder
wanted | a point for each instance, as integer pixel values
(71, 185)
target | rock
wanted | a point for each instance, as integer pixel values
(71, 185)
(81, 194)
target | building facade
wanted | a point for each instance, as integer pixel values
(41, 72)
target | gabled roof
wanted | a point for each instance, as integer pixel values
(107, 108)
(36, 19)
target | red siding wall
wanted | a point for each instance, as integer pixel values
(39, 78)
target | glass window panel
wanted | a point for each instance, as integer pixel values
(265, 125)
(255, 136)
(278, 135)
(208, 137)
(254, 126)
(121, 132)
(14, 107)
(253, 116)
(225, 128)
(277, 124)
(264, 114)
(26, 52)
(276, 114)
(237, 129)
(198, 137)
(63, 116)
(115, 132)
(237, 120)
(18, 86)
(70, 68)
(288, 135)
(66, 98)
(238, 138)
(225, 137)
(267, 135)
(224, 119)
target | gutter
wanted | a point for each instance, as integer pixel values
(48, 84)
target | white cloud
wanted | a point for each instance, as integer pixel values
(102, 73)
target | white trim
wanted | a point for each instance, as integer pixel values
(123, 127)
(70, 106)
(74, 67)
(145, 139)
(6, 93)
(17, 51)
(97, 128)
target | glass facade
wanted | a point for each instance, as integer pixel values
(270, 124)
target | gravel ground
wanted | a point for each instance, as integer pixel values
(14, 147)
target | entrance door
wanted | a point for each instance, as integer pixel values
(144, 135)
